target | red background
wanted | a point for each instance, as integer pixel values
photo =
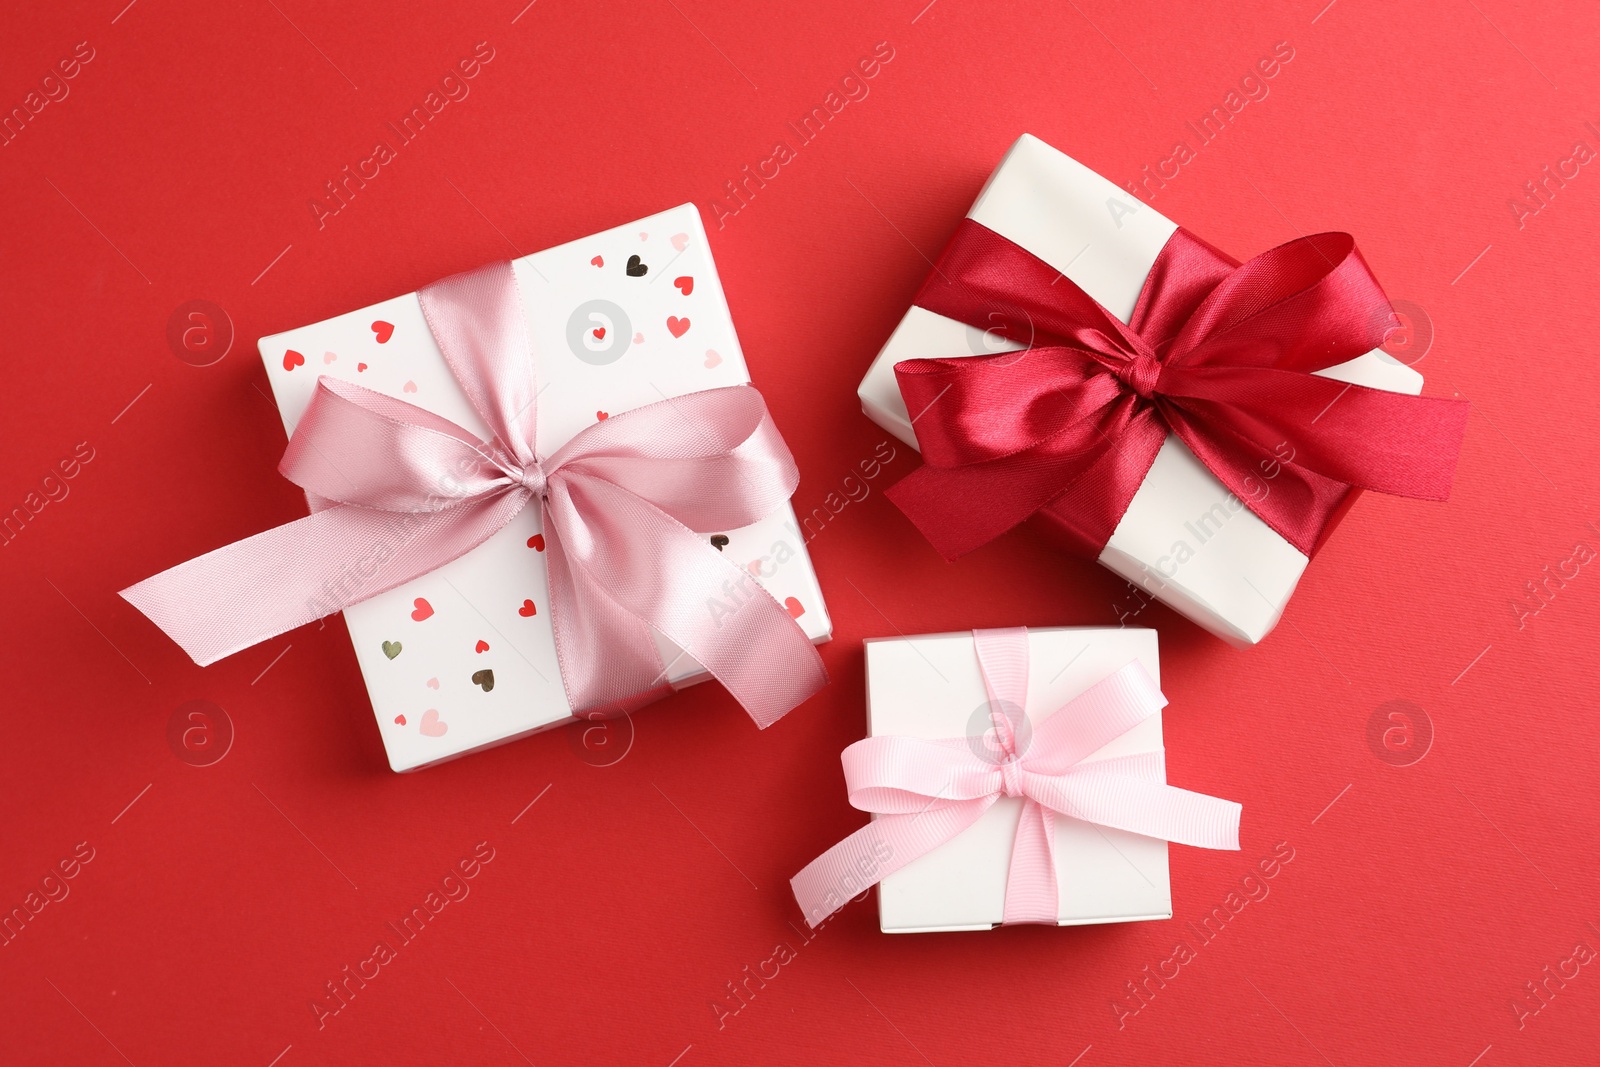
(221, 898)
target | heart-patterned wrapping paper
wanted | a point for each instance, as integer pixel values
(463, 658)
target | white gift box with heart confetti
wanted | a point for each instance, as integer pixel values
(1185, 539)
(463, 658)
(930, 686)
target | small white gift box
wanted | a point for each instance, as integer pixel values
(930, 687)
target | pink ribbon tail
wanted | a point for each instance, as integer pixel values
(398, 492)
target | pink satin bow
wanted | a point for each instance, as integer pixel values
(398, 492)
(927, 792)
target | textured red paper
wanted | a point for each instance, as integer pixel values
(177, 164)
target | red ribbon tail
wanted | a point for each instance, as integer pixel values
(959, 509)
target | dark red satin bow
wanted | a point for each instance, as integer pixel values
(1218, 353)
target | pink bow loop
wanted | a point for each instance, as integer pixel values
(397, 492)
(413, 460)
(925, 792)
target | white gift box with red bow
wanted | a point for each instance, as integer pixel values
(1185, 539)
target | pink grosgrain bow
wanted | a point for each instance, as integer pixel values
(398, 491)
(927, 792)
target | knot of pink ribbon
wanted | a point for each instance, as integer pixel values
(926, 792)
(397, 492)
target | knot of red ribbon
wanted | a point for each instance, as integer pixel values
(1218, 353)
(1141, 373)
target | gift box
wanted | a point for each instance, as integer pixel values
(464, 657)
(969, 714)
(1185, 537)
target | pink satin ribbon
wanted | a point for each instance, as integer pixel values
(398, 492)
(925, 793)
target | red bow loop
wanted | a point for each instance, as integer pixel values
(1219, 353)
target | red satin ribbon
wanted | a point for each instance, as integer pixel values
(1218, 353)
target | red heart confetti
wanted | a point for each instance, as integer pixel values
(383, 330)
(527, 611)
(293, 359)
(482, 646)
(432, 725)
(361, 366)
(421, 609)
(795, 608)
(676, 326)
(602, 415)
(599, 333)
(399, 720)
(536, 542)
(598, 261)
(685, 284)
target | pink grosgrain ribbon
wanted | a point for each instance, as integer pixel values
(927, 792)
(398, 492)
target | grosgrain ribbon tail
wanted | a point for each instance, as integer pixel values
(876, 851)
(1032, 895)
